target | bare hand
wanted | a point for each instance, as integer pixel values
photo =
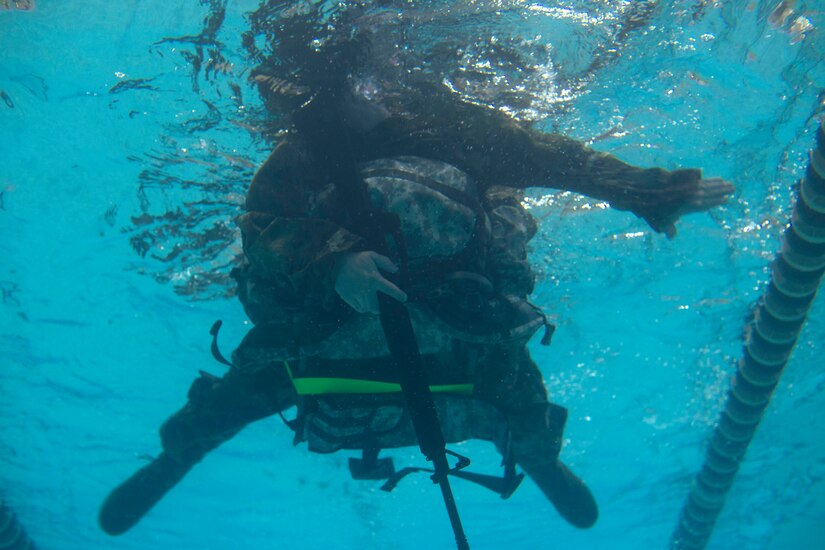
(358, 279)
(710, 193)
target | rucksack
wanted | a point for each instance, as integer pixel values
(448, 246)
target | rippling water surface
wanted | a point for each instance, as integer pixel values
(129, 131)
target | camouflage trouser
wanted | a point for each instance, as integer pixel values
(219, 408)
(509, 399)
(508, 406)
(507, 377)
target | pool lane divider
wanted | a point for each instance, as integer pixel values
(795, 277)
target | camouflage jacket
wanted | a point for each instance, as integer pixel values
(295, 229)
(291, 246)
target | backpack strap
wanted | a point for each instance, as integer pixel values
(216, 352)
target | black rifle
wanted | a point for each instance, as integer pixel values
(322, 124)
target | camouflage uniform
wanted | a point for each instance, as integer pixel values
(295, 230)
(293, 233)
(287, 291)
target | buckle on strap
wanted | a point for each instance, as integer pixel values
(504, 485)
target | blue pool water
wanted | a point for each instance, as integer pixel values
(121, 169)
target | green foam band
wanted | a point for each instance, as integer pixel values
(324, 386)
(331, 386)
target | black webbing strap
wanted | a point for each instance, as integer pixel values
(504, 485)
(403, 346)
(322, 124)
(216, 351)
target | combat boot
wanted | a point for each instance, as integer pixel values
(535, 439)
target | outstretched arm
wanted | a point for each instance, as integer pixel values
(658, 196)
(496, 150)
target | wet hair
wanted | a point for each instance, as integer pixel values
(408, 50)
(308, 48)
